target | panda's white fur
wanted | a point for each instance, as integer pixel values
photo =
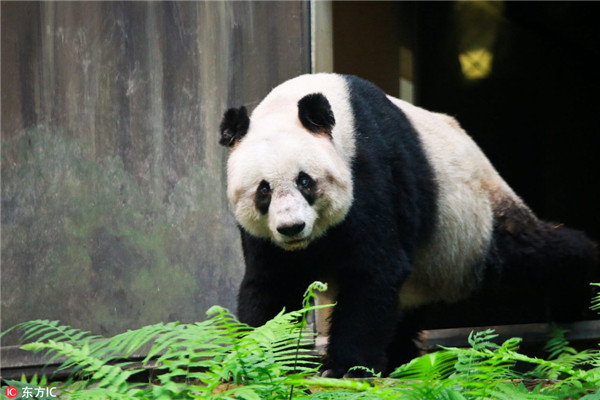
(468, 186)
(277, 147)
(283, 101)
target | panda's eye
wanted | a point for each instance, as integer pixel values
(307, 186)
(262, 198)
(304, 181)
(264, 188)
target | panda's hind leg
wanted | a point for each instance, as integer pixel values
(403, 347)
(552, 264)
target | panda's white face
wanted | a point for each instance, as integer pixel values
(287, 184)
(288, 173)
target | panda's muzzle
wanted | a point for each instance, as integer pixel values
(291, 230)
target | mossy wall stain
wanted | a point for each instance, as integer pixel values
(114, 212)
(82, 240)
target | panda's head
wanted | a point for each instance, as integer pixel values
(285, 180)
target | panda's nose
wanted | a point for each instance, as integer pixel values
(291, 230)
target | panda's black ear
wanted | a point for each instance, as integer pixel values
(234, 126)
(315, 114)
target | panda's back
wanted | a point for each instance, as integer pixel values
(450, 265)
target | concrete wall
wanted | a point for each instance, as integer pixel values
(114, 212)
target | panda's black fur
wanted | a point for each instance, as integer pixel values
(370, 253)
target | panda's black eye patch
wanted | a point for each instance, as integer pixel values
(307, 187)
(262, 198)
(264, 188)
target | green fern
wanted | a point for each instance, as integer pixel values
(427, 376)
(191, 360)
(596, 300)
(221, 358)
(559, 352)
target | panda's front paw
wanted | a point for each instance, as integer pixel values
(338, 372)
(333, 373)
(358, 373)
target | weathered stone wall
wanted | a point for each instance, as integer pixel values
(114, 212)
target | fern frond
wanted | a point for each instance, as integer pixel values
(429, 367)
(355, 385)
(41, 330)
(509, 391)
(126, 344)
(564, 360)
(100, 373)
(482, 367)
(557, 344)
(596, 299)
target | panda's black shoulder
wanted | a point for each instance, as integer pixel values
(382, 127)
(391, 160)
(362, 89)
(374, 112)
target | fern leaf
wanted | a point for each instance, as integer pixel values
(432, 366)
(596, 300)
(43, 330)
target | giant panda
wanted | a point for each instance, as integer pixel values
(394, 206)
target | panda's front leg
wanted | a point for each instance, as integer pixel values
(262, 296)
(364, 320)
(270, 284)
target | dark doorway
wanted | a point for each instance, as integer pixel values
(521, 78)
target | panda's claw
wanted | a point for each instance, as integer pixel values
(332, 373)
(358, 373)
(346, 374)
